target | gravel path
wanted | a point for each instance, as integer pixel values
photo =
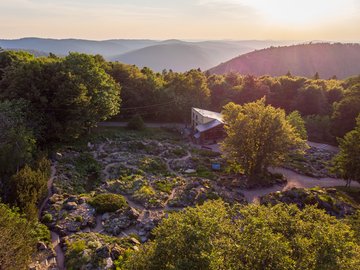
(55, 238)
(294, 180)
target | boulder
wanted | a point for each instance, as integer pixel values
(70, 206)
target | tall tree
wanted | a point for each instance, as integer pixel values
(295, 119)
(347, 161)
(66, 95)
(346, 111)
(258, 136)
(17, 142)
(17, 241)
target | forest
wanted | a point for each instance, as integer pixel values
(49, 102)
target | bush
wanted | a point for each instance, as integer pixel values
(47, 218)
(108, 202)
(136, 123)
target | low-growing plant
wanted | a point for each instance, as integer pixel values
(47, 218)
(107, 202)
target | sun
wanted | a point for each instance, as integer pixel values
(298, 12)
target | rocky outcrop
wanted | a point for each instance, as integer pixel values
(68, 214)
(334, 202)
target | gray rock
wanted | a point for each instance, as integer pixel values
(70, 206)
(103, 252)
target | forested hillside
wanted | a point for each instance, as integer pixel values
(110, 195)
(328, 60)
(174, 54)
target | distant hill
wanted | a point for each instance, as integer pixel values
(181, 56)
(342, 60)
(176, 54)
(64, 46)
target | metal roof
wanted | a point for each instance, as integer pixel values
(210, 114)
(209, 125)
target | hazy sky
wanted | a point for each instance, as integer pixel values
(184, 19)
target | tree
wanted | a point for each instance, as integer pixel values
(347, 161)
(17, 142)
(215, 236)
(298, 123)
(66, 96)
(184, 240)
(17, 241)
(346, 111)
(311, 100)
(28, 187)
(136, 123)
(258, 136)
(188, 90)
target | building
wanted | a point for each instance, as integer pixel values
(207, 126)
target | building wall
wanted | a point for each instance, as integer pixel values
(198, 119)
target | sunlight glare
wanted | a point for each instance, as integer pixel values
(298, 12)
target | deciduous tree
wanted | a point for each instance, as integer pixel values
(258, 136)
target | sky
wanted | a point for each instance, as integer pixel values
(332, 20)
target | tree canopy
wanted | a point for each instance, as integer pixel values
(258, 136)
(17, 240)
(347, 161)
(216, 236)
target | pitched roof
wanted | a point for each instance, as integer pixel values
(210, 114)
(209, 125)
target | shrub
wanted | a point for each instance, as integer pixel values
(136, 123)
(47, 218)
(108, 202)
(41, 233)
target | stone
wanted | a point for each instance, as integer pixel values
(189, 171)
(103, 252)
(105, 216)
(135, 241)
(70, 206)
(115, 252)
(109, 263)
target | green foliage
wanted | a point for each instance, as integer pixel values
(298, 123)
(108, 202)
(17, 142)
(165, 185)
(17, 240)
(346, 111)
(74, 255)
(28, 187)
(346, 162)
(67, 95)
(92, 248)
(258, 136)
(136, 123)
(153, 165)
(47, 218)
(214, 236)
(319, 128)
(41, 233)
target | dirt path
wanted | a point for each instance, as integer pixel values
(294, 180)
(149, 125)
(55, 239)
(49, 189)
(323, 146)
(168, 160)
(60, 258)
